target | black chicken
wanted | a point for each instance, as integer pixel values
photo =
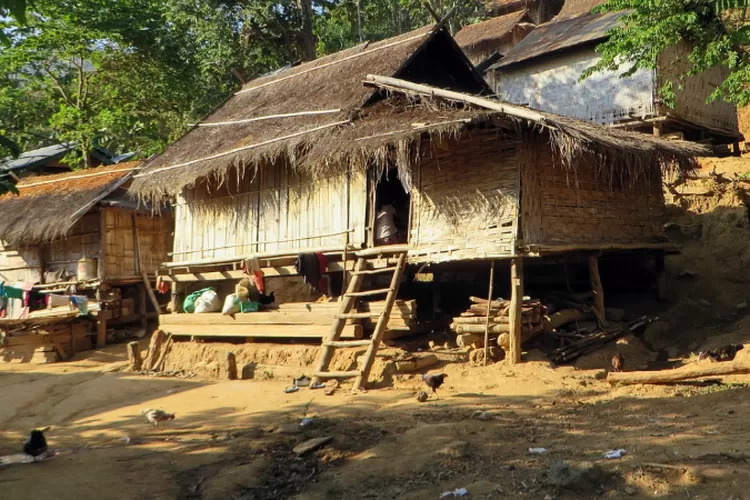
(434, 381)
(266, 299)
(618, 362)
(725, 353)
(36, 444)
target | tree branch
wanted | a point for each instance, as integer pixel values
(59, 87)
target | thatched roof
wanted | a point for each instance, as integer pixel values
(48, 206)
(487, 31)
(288, 111)
(576, 8)
(385, 123)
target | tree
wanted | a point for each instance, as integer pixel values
(717, 31)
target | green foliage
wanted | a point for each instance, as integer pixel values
(716, 30)
(133, 74)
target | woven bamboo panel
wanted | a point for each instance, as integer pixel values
(465, 199)
(578, 206)
(83, 240)
(20, 264)
(154, 240)
(119, 244)
(261, 212)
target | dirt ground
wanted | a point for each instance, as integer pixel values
(234, 439)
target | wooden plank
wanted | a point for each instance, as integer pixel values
(258, 318)
(101, 329)
(516, 302)
(261, 331)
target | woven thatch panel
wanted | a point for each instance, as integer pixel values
(274, 210)
(83, 240)
(578, 206)
(465, 199)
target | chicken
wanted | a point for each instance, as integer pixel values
(36, 444)
(725, 353)
(618, 362)
(156, 416)
(434, 381)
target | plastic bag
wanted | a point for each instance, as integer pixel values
(189, 304)
(231, 305)
(208, 302)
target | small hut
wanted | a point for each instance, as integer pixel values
(303, 161)
(486, 42)
(76, 233)
(543, 72)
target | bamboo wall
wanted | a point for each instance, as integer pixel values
(132, 237)
(465, 198)
(690, 101)
(561, 206)
(83, 240)
(22, 264)
(259, 213)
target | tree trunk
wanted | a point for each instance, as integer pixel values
(306, 37)
(692, 371)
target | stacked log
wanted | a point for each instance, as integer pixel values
(470, 325)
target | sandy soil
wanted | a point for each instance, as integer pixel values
(234, 439)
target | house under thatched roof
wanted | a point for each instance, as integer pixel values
(489, 31)
(322, 117)
(48, 206)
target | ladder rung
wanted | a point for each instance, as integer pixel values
(377, 271)
(347, 343)
(357, 315)
(367, 293)
(354, 373)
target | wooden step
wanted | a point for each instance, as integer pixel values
(357, 315)
(367, 293)
(348, 343)
(376, 271)
(354, 373)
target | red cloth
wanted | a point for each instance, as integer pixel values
(258, 277)
(323, 266)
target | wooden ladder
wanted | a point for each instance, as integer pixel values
(353, 292)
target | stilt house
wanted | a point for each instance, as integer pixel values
(299, 161)
(543, 72)
(77, 232)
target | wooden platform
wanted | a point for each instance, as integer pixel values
(47, 344)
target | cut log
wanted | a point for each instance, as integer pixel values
(692, 371)
(479, 320)
(495, 303)
(563, 317)
(134, 357)
(416, 364)
(494, 328)
(503, 340)
(470, 339)
(231, 366)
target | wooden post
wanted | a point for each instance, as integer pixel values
(516, 303)
(344, 258)
(142, 307)
(596, 287)
(174, 300)
(657, 129)
(151, 295)
(101, 264)
(101, 329)
(487, 317)
(231, 366)
(134, 357)
(154, 349)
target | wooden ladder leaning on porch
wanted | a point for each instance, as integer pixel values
(361, 269)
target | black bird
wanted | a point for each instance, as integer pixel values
(266, 299)
(35, 444)
(434, 381)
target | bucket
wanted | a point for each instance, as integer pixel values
(86, 269)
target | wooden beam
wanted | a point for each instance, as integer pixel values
(150, 291)
(101, 329)
(596, 287)
(487, 317)
(142, 312)
(696, 370)
(516, 303)
(134, 357)
(257, 331)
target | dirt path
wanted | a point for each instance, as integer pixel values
(226, 440)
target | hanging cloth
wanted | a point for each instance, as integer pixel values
(322, 269)
(308, 265)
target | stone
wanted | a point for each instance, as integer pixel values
(456, 449)
(422, 396)
(248, 371)
(288, 428)
(311, 445)
(577, 476)
(630, 490)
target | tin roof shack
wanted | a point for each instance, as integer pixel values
(543, 71)
(299, 162)
(78, 232)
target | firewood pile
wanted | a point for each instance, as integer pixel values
(470, 325)
(586, 342)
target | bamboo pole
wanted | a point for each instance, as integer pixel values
(268, 117)
(596, 287)
(487, 317)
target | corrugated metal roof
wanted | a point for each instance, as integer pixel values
(558, 35)
(38, 157)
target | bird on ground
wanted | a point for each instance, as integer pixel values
(725, 353)
(434, 381)
(36, 444)
(618, 362)
(156, 416)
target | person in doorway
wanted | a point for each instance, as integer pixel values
(385, 228)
